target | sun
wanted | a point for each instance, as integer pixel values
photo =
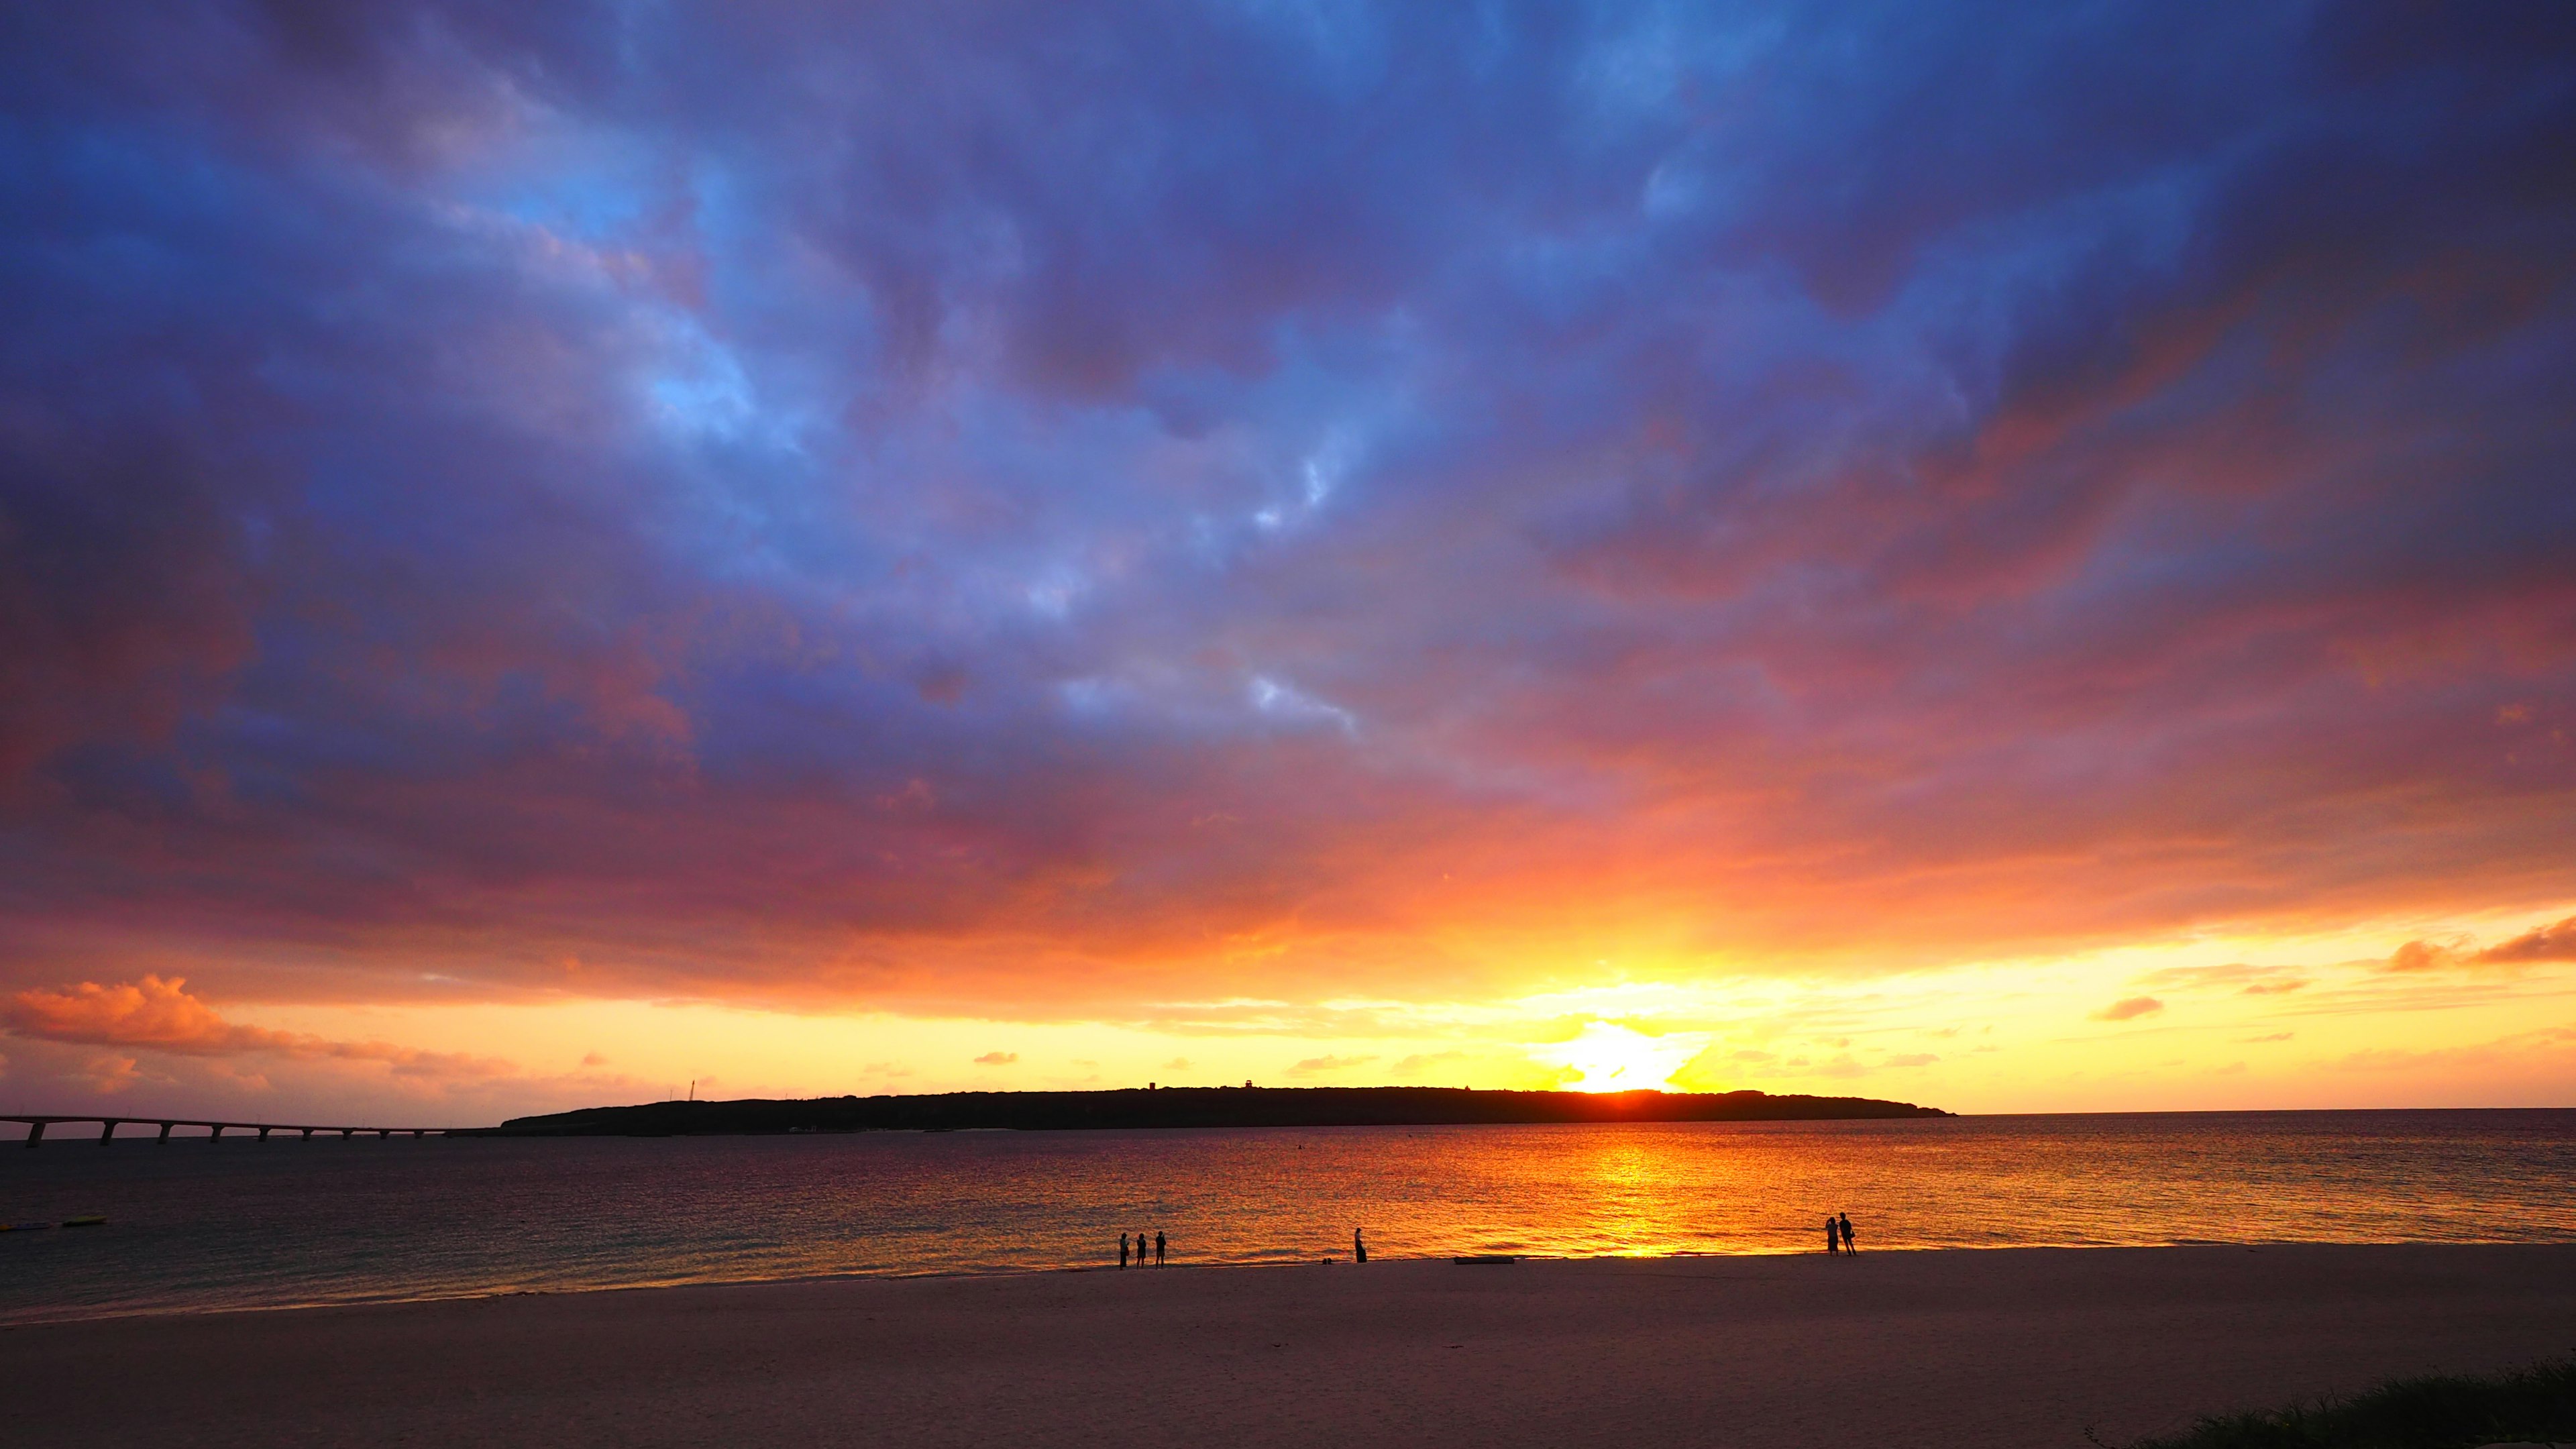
(1614, 1058)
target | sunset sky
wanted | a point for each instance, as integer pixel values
(2015, 558)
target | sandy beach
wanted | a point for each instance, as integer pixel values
(2015, 1347)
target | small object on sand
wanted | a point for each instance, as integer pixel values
(94, 1220)
(1485, 1258)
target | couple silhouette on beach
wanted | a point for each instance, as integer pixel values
(1838, 1238)
(1141, 1245)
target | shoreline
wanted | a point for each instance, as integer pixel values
(1376, 1259)
(2002, 1346)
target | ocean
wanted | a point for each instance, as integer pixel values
(194, 1226)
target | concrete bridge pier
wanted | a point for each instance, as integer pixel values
(308, 1134)
(106, 1132)
(214, 1132)
(165, 1132)
(263, 1134)
(35, 1133)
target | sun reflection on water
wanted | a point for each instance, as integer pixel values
(207, 1230)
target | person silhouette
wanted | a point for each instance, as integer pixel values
(1122, 1250)
(1833, 1235)
(1359, 1250)
(1158, 1250)
(1847, 1242)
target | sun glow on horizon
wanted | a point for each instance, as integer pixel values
(1615, 1058)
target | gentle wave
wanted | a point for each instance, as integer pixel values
(234, 1225)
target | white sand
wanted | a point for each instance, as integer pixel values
(2022, 1347)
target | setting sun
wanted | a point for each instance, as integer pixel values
(1614, 1058)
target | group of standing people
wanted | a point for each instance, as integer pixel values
(1156, 1244)
(1838, 1237)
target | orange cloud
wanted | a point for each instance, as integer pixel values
(2129, 1009)
(160, 1015)
(2422, 956)
(2540, 943)
(2556, 942)
(149, 1013)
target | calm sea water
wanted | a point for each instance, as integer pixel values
(242, 1224)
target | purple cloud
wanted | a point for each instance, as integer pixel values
(871, 504)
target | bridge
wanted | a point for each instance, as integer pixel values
(215, 1130)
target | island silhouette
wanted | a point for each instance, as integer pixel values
(1245, 1106)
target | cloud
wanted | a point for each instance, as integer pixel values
(150, 1012)
(1912, 1059)
(2129, 1008)
(482, 495)
(2546, 1049)
(2541, 943)
(1176, 1064)
(2248, 980)
(164, 1043)
(2268, 1037)
(1319, 1066)
(1420, 1062)
(111, 1075)
(160, 1015)
(2424, 956)
(997, 1059)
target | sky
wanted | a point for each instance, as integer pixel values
(2015, 558)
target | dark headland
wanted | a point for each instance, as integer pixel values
(1192, 1107)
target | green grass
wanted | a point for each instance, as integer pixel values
(2537, 1404)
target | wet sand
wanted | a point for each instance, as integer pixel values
(2003, 1348)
